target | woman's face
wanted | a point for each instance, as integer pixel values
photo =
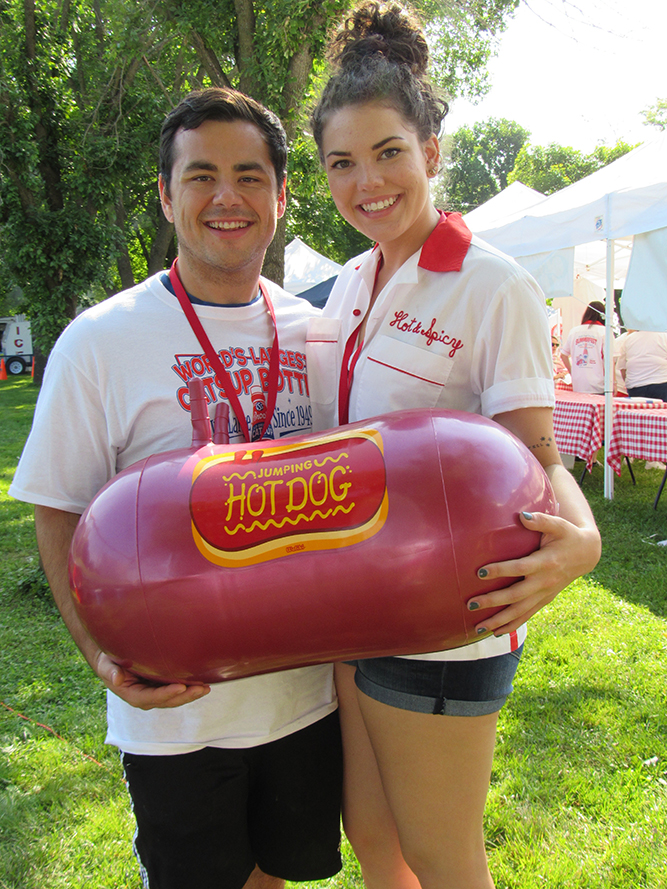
(378, 171)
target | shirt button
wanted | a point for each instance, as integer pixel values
(356, 312)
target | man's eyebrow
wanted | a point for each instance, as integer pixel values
(212, 168)
(249, 166)
(200, 165)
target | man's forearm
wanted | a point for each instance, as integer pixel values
(55, 529)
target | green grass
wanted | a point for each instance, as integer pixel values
(579, 790)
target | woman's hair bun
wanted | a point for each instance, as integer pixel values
(381, 55)
(383, 29)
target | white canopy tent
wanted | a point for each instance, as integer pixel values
(305, 267)
(627, 198)
(571, 276)
(516, 198)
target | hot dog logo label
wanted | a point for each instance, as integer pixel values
(248, 506)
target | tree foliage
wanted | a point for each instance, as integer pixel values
(481, 158)
(656, 115)
(550, 168)
(463, 35)
(84, 87)
(79, 119)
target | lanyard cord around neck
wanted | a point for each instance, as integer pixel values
(224, 378)
(350, 358)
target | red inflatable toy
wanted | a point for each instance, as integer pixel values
(222, 561)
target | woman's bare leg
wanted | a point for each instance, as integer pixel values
(367, 820)
(435, 771)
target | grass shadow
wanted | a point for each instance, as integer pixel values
(633, 565)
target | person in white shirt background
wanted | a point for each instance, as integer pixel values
(582, 352)
(641, 359)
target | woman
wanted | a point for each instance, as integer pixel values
(430, 317)
(583, 351)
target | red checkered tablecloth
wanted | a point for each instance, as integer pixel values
(639, 433)
(578, 424)
(579, 421)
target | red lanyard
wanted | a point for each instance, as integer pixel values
(224, 379)
(350, 362)
(347, 375)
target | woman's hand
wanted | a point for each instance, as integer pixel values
(570, 544)
(566, 552)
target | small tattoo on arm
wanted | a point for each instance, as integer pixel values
(544, 442)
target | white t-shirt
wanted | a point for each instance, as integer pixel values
(584, 347)
(643, 356)
(435, 338)
(114, 392)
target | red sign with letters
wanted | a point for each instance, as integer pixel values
(252, 505)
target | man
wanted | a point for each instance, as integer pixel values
(237, 784)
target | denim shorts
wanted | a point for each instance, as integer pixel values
(447, 688)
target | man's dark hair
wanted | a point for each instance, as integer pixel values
(226, 105)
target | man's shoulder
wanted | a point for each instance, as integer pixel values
(128, 298)
(114, 317)
(288, 302)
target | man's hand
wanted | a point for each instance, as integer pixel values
(140, 692)
(55, 529)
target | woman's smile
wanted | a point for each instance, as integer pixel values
(377, 169)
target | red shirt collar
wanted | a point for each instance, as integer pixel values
(445, 248)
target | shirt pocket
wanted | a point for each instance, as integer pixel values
(323, 368)
(398, 376)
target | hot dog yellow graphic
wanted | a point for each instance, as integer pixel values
(250, 506)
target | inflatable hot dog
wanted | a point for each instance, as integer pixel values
(221, 561)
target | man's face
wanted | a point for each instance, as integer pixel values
(223, 199)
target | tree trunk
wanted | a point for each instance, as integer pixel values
(274, 261)
(40, 366)
(162, 241)
(123, 261)
(245, 21)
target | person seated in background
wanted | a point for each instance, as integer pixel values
(619, 379)
(642, 361)
(561, 373)
(582, 352)
(641, 356)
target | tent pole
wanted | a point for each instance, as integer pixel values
(609, 370)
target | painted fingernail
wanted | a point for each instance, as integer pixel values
(528, 516)
(481, 630)
(473, 606)
(482, 572)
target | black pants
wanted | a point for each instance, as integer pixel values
(653, 390)
(205, 819)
